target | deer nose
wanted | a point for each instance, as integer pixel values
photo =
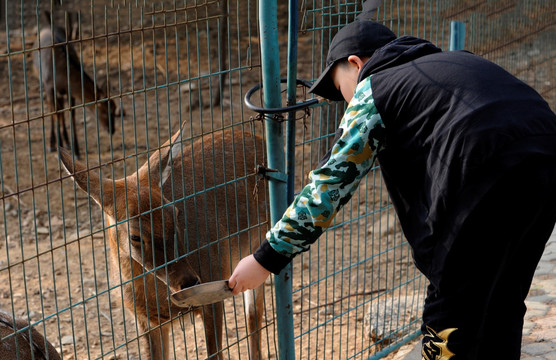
(184, 286)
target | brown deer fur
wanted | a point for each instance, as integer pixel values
(215, 226)
(25, 344)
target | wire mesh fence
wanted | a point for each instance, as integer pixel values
(376, 301)
(73, 271)
(132, 75)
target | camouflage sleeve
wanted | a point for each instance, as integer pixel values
(332, 185)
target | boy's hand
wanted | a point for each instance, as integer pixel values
(248, 274)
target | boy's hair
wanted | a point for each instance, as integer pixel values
(345, 62)
(342, 62)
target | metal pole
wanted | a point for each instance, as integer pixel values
(291, 93)
(287, 344)
(457, 35)
(270, 56)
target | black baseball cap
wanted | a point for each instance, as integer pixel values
(361, 38)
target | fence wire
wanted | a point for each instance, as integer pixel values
(364, 297)
(160, 67)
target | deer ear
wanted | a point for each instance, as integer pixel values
(170, 154)
(88, 181)
(159, 166)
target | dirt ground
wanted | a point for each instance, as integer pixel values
(54, 252)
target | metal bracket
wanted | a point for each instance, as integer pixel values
(290, 108)
(272, 174)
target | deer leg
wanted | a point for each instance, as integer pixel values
(254, 307)
(212, 319)
(63, 136)
(154, 343)
(74, 143)
(160, 342)
(54, 126)
(53, 133)
(60, 120)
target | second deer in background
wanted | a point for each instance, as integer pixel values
(62, 75)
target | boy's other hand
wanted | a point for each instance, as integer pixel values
(248, 274)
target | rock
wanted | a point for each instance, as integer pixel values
(327, 310)
(67, 340)
(56, 221)
(11, 243)
(43, 231)
(33, 315)
(388, 317)
(88, 282)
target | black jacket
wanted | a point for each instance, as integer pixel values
(455, 123)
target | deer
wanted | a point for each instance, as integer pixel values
(20, 341)
(59, 69)
(181, 219)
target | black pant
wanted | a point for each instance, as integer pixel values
(490, 267)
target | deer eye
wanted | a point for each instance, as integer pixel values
(135, 239)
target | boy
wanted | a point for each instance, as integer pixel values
(468, 154)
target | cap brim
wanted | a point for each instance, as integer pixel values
(324, 86)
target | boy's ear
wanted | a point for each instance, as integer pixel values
(357, 61)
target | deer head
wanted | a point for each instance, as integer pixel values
(142, 223)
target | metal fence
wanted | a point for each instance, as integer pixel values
(183, 67)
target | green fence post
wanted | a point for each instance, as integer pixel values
(287, 346)
(291, 95)
(457, 35)
(270, 56)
